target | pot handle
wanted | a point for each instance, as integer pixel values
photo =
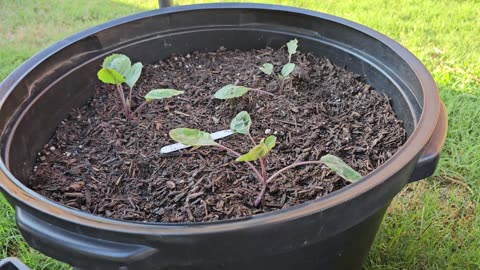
(77, 248)
(428, 161)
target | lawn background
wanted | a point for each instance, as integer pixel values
(431, 224)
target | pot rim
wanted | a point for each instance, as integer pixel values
(408, 152)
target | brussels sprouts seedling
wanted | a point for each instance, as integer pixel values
(117, 69)
(292, 47)
(233, 91)
(241, 124)
(288, 68)
(267, 68)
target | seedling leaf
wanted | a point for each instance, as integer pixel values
(341, 168)
(191, 137)
(241, 123)
(231, 91)
(119, 62)
(287, 69)
(108, 75)
(133, 74)
(260, 150)
(161, 94)
(270, 142)
(267, 68)
(292, 46)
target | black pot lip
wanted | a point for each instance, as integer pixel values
(408, 152)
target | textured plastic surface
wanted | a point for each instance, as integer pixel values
(431, 155)
(332, 232)
(12, 263)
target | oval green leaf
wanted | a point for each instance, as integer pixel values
(108, 75)
(161, 94)
(267, 68)
(231, 91)
(270, 142)
(133, 74)
(119, 62)
(341, 168)
(191, 137)
(287, 69)
(259, 150)
(292, 46)
(241, 123)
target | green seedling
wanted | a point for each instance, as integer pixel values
(341, 168)
(292, 47)
(233, 91)
(267, 68)
(241, 124)
(288, 68)
(118, 69)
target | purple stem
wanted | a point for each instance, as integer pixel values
(270, 179)
(124, 102)
(259, 198)
(252, 139)
(264, 169)
(130, 97)
(257, 173)
(261, 91)
(140, 107)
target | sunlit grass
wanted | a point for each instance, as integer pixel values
(432, 224)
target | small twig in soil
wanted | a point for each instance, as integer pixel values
(261, 91)
(182, 113)
(287, 122)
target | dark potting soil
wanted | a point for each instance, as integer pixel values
(102, 164)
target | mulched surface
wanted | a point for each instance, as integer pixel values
(102, 164)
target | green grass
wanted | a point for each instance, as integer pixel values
(432, 224)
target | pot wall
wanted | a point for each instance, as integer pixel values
(68, 76)
(333, 232)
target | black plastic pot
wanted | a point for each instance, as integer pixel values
(333, 232)
(12, 263)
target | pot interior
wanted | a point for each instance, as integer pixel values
(63, 77)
